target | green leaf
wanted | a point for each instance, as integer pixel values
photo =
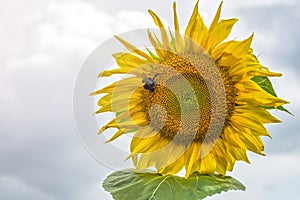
(265, 83)
(128, 185)
(284, 109)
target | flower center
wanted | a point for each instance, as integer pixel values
(188, 99)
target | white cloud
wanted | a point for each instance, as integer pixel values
(55, 42)
(75, 27)
(270, 177)
(40, 152)
(42, 51)
(15, 189)
(288, 86)
(256, 3)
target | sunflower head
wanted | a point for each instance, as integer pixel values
(193, 102)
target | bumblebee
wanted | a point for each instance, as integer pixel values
(149, 83)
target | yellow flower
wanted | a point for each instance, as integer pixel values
(192, 103)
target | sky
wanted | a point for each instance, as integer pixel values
(44, 47)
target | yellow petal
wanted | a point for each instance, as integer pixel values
(253, 143)
(146, 140)
(239, 49)
(164, 36)
(232, 137)
(162, 53)
(251, 93)
(230, 160)
(237, 153)
(128, 63)
(144, 162)
(116, 97)
(242, 48)
(256, 69)
(216, 18)
(178, 38)
(193, 19)
(128, 60)
(112, 72)
(196, 31)
(208, 164)
(220, 156)
(173, 168)
(258, 114)
(168, 154)
(244, 121)
(118, 106)
(116, 135)
(219, 33)
(132, 48)
(125, 84)
(191, 157)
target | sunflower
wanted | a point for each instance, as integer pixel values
(191, 102)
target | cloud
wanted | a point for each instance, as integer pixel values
(44, 45)
(270, 177)
(276, 29)
(8, 186)
(42, 157)
(258, 3)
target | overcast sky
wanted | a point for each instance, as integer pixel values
(43, 46)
